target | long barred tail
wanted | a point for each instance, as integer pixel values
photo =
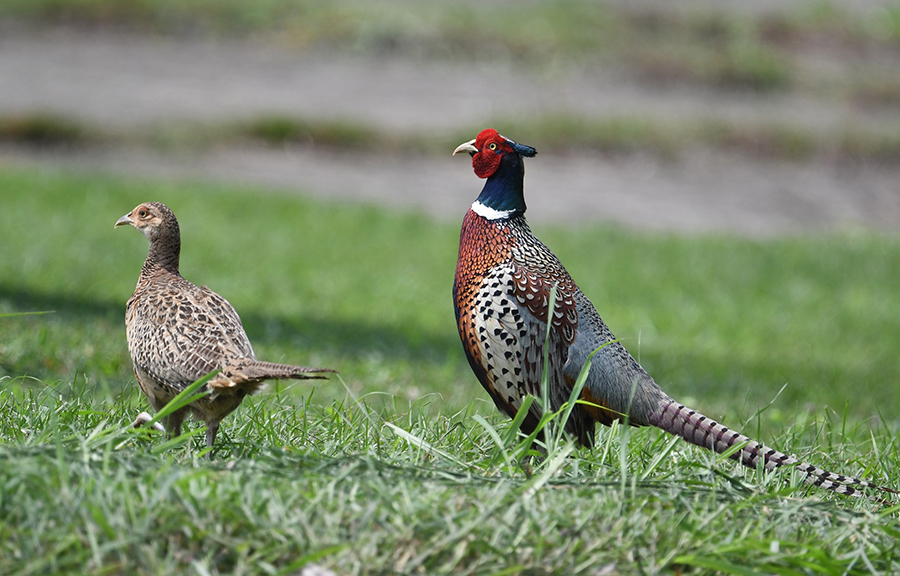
(698, 429)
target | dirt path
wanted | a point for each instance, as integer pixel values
(127, 80)
(122, 81)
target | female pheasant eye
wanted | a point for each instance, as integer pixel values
(142, 213)
(492, 145)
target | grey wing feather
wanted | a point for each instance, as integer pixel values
(616, 378)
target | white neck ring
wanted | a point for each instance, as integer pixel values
(490, 213)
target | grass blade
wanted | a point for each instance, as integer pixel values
(184, 398)
(495, 436)
(301, 562)
(17, 314)
(423, 444)
(580, 382)
(516, 424)
(716, 564)
(549, 469)
(546, 407)
(660, 456)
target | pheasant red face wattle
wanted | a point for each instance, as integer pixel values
(487, 150)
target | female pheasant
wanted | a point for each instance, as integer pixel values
(501, 293)
(178, 332)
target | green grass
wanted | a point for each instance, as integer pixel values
(367, 290)
(340, 294)
(399, 472)
(335, 483)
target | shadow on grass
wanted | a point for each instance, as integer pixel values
(340, 337)
(717, 383)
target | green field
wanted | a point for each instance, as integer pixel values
(400, 465)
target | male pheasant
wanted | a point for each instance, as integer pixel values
(178, 332)
(501, 292)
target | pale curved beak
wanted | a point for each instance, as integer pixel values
(466, 147)
(126, 219)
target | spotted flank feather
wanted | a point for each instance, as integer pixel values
(501, 296)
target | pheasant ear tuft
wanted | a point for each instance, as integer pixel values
(524, 150)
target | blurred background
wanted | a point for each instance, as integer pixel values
(757, 118)
(765, 129)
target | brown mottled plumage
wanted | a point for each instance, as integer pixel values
(179, 332)
(501, 292)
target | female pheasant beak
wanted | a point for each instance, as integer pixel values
(126, 219)
(466, 147)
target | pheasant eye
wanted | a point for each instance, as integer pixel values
(492, 145)
(142, 213)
